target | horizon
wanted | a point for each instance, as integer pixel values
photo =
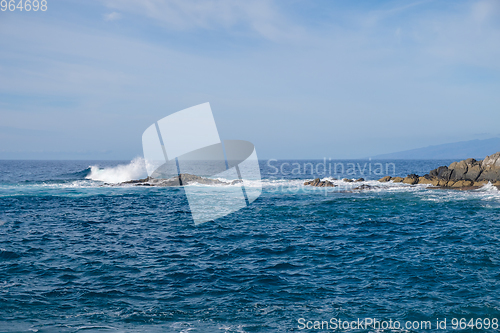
(382, 157)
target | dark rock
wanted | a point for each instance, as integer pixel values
(318, 183)
(444, 173)
(183, 178)
(473, 172)
(360, 180)
(458, 170)
(464, 175)
(364, 187)
(433, 173)
(137, 181)
(490, 174)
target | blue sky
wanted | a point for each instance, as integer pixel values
(299, 79)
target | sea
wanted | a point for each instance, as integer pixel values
(80, 254)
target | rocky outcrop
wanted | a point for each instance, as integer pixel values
(319, 183)
(385, 179)
(182, 179)
(397, 179)
(466, 174)
(411, 179)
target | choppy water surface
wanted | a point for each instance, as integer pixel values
(76, 255)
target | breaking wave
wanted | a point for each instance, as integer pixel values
(136, 169)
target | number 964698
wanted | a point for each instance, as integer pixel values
(26, 5)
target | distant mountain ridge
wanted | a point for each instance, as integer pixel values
(477, 149)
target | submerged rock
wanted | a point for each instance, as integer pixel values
(182, 179)
(364, 187)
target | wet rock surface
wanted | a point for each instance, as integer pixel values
(320, 183)
(464, 175)
(182, 179)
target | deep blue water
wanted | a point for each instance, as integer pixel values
(79, 256)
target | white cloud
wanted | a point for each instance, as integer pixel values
(260, 16)
(466, 35)
(113, 16)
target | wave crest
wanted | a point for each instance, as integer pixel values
(136, 169)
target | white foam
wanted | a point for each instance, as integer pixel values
(136, 169)
(375, 184)
(489, 188)
(488, 193)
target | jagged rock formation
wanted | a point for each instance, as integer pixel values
(466, 174)
(318, 183)
(396, 179)
(183, 179)
(385, 179)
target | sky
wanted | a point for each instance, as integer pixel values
(298, 78)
